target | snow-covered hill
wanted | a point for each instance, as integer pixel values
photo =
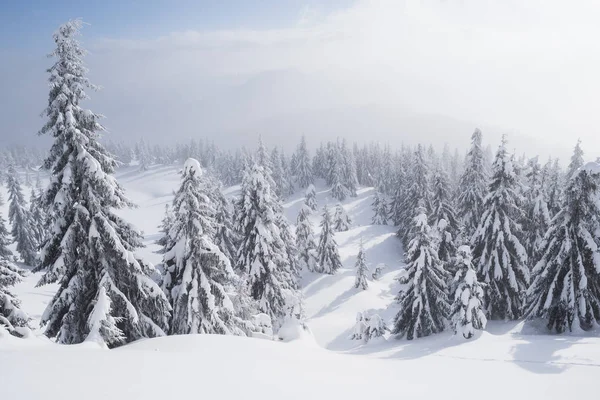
(503, 362)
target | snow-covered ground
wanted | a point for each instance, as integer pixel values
(506, 361)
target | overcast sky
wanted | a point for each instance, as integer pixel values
(396, 71)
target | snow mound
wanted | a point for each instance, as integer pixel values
(192, 166)
(293, 330)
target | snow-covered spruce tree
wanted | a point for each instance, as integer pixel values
(311, 197)
(417, 194)
(380, 209)
(23, 232)
(467, 313)
(226, 238)
(289, 187)
(12, 318)
(262, 255)
(500, 258)
(164, 228)
(329, 256)
(335, 173)
(38, 218)
(443, 218)
(424, 304)
(142, 154)
(554, 189)
(361, 269)
(472, 187)
(197, 274)
(349, 169)
(576, 161)
(305, 241)
(105, 294)
(303, 168)
(537, 217)
(279, 176)
(396, 212)
(566, 281)
(341, 220)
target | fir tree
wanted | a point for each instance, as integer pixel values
(350, 180)
(554, 189)
(38, 219)
(361, 269)
(23, 232)
(329, 256)
(226, 238)
(341, 220)
(472, 187)
(262, 255)
(105, 294)
(499, 256)
(566, 289)
(380, 209)
(335, 171)
(467, 310)
(311, 197)
(303, 169)
(424, 304)
(305, 240)
(197, 274)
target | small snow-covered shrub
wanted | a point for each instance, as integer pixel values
(368, 327)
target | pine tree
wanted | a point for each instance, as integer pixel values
(305, 240)
(288, 186)
(23, 232)
(380, 210)
(12, 318)
(350, 181)
(197, 274)
(311, 197)
(576, 160)
(226, 238)
(500, 258)
(262, 255)
(566, 289)
(424, 304)
(341, 220)
(467, 310)
(329, 256)
(335, 171)
(472, 187)
(303, 168)
(361, 269)
(105, 294)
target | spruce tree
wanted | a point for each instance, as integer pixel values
(443, 218)
(500, 258)
(472, 187)
(164, 229)
(303, 168)
(197, 274)
(361, 269)
(537, 217)
(305, 240)
(467, 313)
(335, 171)
(23, 232)
(380, 209)
(341, 220)
(424, 304)
(329, 256)
(566, 287)
(12, 318)
(226, 237)
(38, 219)
(311, 197)
(262, 256)
(555, 189)
(105, 293)
(576, 161)
(417, 194)
(350, 180)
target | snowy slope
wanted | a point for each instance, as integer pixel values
(502, 362)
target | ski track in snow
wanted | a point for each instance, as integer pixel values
(331, 304)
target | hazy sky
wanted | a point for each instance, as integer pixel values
(397, 71)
